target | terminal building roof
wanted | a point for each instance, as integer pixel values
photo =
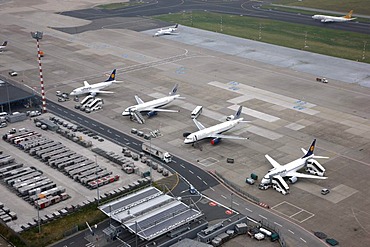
(149, 213)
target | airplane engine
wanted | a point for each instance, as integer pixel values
(229, 118)
(185, 134)
(152, 113)
(215, 141)
(293, 180)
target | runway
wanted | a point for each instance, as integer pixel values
(235, 7)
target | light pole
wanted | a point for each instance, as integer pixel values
(7, 94)
(38, 190)
(150, 158)
(38, 35)
(96, 178)
(231, 200)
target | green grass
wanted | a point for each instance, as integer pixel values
(359, 6)
(325, 41)
(53, 231)
(112, 6)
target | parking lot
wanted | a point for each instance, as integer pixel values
(67, 180)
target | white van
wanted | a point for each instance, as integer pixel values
(197, 111)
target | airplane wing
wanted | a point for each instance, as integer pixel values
(301, 175)
(198, 124)
(162, 110)
(86, 84)
(99, 91)
(272, 161)
(327, 20)
(228, 137)
(138, 100)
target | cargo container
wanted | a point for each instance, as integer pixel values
(16, 117)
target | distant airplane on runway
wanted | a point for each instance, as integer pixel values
(2, 47)
(94, 89)
(215, 131)
(152, 107)
(167, 31)
(328, 18)
(278, 172)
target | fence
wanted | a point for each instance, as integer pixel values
(236, 188)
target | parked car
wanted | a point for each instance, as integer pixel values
(325, 191)
(13, 73)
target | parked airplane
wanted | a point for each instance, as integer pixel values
(152, 107)
(2, 47)
(167, 31)
(94, 89)
(215, 131)
(290, 169)
(328, 18)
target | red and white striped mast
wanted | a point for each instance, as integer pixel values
(38, 35)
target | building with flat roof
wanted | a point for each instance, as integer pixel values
(149, 213)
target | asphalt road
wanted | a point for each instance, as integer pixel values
(201, 180)
(236, 7)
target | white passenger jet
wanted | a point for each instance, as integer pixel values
(94, 89)
(167, 31)
(2, 47)
(152, 107)
(328, 18)
(215, 131)
(290, 169)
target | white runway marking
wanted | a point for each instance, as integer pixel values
(262, 216)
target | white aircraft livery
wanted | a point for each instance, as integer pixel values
(215, 131)
(2, 47)
(151, 107)
(167, 31)
(278, 172)
(94, 89)
(328, 18)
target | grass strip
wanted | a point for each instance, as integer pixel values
(331, 42)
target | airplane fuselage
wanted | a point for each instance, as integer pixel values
(91, 88)
(283, 171)
(150, 105)
(165, 31)
(327, 18)
(208, 132)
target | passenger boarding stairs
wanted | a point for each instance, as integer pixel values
(279, 184)
(139, 118)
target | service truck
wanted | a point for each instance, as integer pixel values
(157, 152)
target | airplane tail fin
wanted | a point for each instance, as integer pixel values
(310, 150)
(5, 43)
(86, 84)
(112, 76)
(174, 90)
(176, 25)
(238, 112)
(349, 15)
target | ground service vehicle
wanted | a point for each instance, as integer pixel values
(157, 152)
(197, 111)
